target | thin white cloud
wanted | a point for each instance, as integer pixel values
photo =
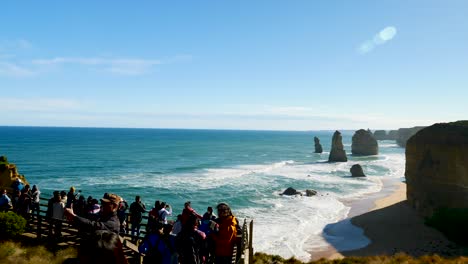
(115, 65)
(14, 70)
(123, 66)
(380, 38)
(39, 104)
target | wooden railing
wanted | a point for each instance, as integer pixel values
(243, 252)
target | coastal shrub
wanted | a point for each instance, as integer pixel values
(452, 223)
(11, 224)
(11, 252)
(3, 163)
(399, 258)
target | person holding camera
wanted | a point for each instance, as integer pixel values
(165, 211)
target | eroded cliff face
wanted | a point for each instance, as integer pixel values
(9, 174)
(437, 167)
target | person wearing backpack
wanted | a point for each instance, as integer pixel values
(189, 242)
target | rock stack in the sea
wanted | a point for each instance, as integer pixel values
(392, 135)
(437, 167)
(383, 135)
(9, 174)
(380, 134)
(364, 143)
(356, 171)
(310, 192)
(337, 152)
(318, 146)
(405, 133)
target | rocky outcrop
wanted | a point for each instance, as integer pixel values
(364, 143)
(9, 174)
(380, 134)
(337, 152)
(318, 146)
(392, 135)
(291, 191)
(356, 171)
(310, 192)
(405, 133)
(437, 167)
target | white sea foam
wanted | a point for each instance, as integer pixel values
(290, 226)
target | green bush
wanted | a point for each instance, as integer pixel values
(452, 223)
(11, 224)
(3, 159)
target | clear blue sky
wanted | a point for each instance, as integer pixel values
(281, 65)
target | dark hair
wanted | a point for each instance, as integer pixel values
(102, 247)
(224, 205)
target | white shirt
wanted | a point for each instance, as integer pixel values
(163, 213)
(58, 209)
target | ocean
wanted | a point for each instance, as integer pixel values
(246, 169)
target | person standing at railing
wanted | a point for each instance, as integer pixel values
(137, 209)
(56, 210)
(72, 196)
(165, 211)
(35, 199)
(226, 236)
(107, 220)
(24, 202)
(189, 211)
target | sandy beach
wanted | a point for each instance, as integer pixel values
(391, 226)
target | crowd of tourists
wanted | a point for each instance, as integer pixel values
(192, 238)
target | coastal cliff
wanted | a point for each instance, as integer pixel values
(437, 167)
(9, 174)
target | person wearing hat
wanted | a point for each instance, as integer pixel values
(107, 220)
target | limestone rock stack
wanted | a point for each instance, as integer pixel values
(405, 133)
(380, 134)
(364, 143)
(318, 146)
(337, 152)
(392, 135)
(437, 167)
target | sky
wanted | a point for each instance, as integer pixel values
(260, 65)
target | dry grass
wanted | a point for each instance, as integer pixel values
(261, 258)
(15, 253)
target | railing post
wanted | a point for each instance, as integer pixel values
(250, 242)
(39, 226)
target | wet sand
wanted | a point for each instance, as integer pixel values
(390, 225)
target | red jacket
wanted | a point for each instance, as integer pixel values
(225, 239)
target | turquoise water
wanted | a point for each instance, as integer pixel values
(247, 169)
